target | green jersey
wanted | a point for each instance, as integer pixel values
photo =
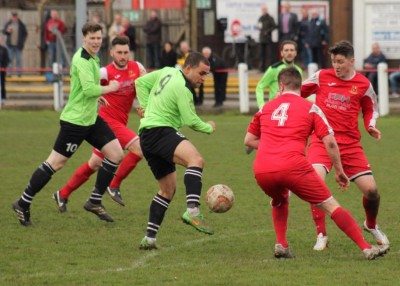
(167, 98)
(81, 108)
(270, 79)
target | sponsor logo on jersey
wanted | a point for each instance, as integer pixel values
(353, 90)
(331, 83)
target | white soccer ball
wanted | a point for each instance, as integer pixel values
(219, 198)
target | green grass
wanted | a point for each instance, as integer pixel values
(76, 248)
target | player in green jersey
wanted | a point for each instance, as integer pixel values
(166, 97)
(288, 50)
(79, 121)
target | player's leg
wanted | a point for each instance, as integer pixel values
(371, 200)
(68, 140)
(160, 202)
(318, 216)
(313, 190)
(187, 155)
(156, 145)
(345, 221)
(127, 165)
(356, 166)
(78, 178)
(318, 157)
(270, 184)
(102, 138)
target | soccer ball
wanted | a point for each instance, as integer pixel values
(219, 198)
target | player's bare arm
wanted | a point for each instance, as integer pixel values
(333, 152)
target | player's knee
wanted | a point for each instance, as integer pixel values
(372, 194)
(196, 161)
(278, 202)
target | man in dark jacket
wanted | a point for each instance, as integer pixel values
(16, 34)
(4, 60)
(318, 37)
(266, 24)
(152, 29)
(288, 23)
(220, 77)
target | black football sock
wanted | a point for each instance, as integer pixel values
(39, 179)
(193, 184)
(104, 177)
(158, 207)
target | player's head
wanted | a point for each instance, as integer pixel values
(289, 79)
(92, 37)
(120, 51)
(196, 68)
(288, 51)
(342, 57)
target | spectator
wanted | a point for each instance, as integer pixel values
(288, 23)
(103, 52)
(152, 29)
(394, 79)
(129, 30)
(184, 50)
(16, 33)
(168, 56)
(371, 62)
(317, 38)
(266, 24)
(4, 61)
(220, 78)
(54, 23)
(116, 27)
(305, 52)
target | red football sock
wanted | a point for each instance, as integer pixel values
(280, 217)
(349, 226)
(318, 216)
(80, 176)
(371, 208)
(127, 165)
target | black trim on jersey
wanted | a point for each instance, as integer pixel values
(277, 64)
(188, 84)
(85, 54)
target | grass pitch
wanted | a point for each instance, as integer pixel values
(76, 248)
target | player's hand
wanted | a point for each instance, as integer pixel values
(248, 150)
(140, 112)
(102, 101)
(342, 180)
(374, 132)
(114, 85)
(212, 123)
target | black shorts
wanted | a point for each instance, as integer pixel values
(158, 147)
(71, 136)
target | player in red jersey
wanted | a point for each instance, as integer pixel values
(342, 93)
(279, 132)
(114, 111)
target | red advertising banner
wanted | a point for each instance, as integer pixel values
(158, 4)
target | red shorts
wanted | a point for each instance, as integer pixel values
(305, 183)
(353, 158)
(124, 135)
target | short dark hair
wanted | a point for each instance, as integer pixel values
(290, 77)
(90, 27)
(344, 48)
(194, 59)
(287, 42)
(120, 40)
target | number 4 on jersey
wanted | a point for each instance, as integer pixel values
(280, 114)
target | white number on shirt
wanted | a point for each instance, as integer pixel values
(280, 114)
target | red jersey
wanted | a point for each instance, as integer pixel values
(50, 25)
(341, 101)
(120, 101)
(283, 126)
